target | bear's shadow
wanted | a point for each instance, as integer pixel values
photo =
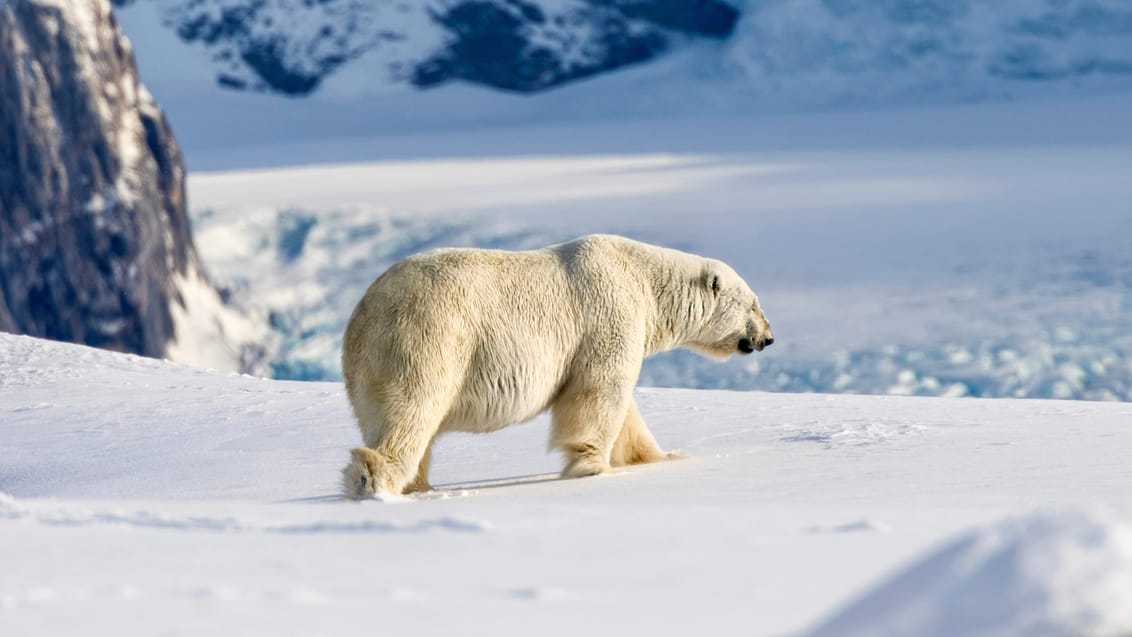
(496, 483)
(447, 490)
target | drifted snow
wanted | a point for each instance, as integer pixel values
(143, 497)
(1060, 574)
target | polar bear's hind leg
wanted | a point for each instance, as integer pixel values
(636, 444)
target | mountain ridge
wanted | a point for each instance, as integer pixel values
(291, 46)
(773, 51)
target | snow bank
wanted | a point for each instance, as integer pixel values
(1061, 574)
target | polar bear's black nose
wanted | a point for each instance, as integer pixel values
(747, 346)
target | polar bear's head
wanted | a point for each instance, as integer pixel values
(733, 321)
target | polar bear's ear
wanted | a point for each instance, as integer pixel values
(711, 281)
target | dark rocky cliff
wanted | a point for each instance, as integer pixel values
(93, 227)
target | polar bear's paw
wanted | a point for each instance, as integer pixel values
(583, 466)
(362, 478)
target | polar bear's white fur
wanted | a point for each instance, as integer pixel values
(476, 340)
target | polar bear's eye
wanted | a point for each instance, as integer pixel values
(713, 283)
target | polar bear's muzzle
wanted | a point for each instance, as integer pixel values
(757, 338)
(747, 345)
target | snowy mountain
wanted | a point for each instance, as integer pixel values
(768, 56)
(139, 497)
(94, 237)
(815, 51)
(291, 46)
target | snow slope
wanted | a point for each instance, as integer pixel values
(142, 497)
(980, 250)
(1044, 574)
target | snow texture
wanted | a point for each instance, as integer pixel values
(1056, 574)
(141, 497)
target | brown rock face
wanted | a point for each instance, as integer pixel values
(93, 227)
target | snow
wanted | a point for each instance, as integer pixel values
(1063, 573)
(145, 497)
(309, 37)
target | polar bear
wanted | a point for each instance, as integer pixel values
(476, 340)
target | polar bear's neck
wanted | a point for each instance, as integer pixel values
(671, 280)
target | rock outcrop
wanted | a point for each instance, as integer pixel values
(95, 244)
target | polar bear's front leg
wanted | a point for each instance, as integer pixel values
(636, 444)
(586, 422)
